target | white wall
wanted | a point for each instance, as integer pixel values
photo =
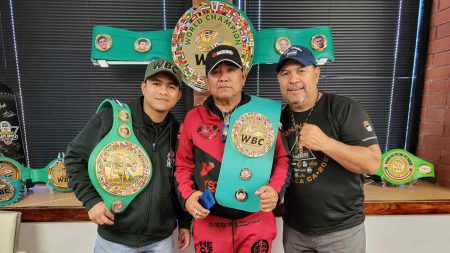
(385, 234)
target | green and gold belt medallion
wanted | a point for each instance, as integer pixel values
(119, 167)
(401, 167)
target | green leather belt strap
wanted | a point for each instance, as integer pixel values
(122, 43)
(119, 167)
(54, 173)
(401, 167)
(267, 43)
(248, 155)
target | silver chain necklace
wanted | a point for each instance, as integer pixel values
(297, 132)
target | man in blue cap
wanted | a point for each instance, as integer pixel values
(332, 143)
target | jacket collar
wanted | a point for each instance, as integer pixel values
(211, 106)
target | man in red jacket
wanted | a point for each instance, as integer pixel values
(199, 158)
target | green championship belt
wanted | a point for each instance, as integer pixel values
(119, 167)
(401, 167)
(200, 29)
(54, 173)
(11, 190)
(248, 155)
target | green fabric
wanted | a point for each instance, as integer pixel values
(233, 161)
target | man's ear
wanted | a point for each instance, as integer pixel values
(143, 84)
(317, 73)
(180, 92)
(244, 76)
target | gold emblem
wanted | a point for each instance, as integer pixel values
(124, 116)
(117, 205)
(6, 190)
(124, 131)
(204, 40)
(282, 44)
(142, 45)
(241, 195)
(10, 170)
(252, 134)
(103, 42)
(122, 168)
(57, 175)
(398, 166)
(245, 174)
(204, 27)
(319, 42)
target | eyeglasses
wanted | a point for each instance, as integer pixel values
(226, 123)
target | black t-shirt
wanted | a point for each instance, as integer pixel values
(323, 196)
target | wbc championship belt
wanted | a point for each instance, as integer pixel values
(119, 167)
(16, 175)
(401, 167)
(248, 155)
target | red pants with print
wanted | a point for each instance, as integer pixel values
(253, 233)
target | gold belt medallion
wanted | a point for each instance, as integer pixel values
(122, 168)
(6, 190)
(10, 170)
(252, 134)
(57, 175)
(398, 166)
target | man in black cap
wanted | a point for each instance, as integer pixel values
(148, 222)
(199, 159)
(332, 143)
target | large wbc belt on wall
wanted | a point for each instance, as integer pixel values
(122, 43)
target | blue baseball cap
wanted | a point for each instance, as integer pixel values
(299, 54)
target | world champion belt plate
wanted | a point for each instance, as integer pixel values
(57, 176)
(398, 167)
(252, 134)
(122, 168)
(9, 169)
(11, 190)
(6, 190)
(205, 27)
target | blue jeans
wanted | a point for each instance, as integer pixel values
(104, 246)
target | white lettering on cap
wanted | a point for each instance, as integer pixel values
(225, 52)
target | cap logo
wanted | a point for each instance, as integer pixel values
(224, 52)
(291, 52)
(166, 65)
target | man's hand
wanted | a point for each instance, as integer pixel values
(100, 215)
(312, 137)
(268, 198)
(184, 238)
(194, 208)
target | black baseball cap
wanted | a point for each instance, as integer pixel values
(220, 54)
(299, 54)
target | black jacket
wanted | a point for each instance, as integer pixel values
(152, 215)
